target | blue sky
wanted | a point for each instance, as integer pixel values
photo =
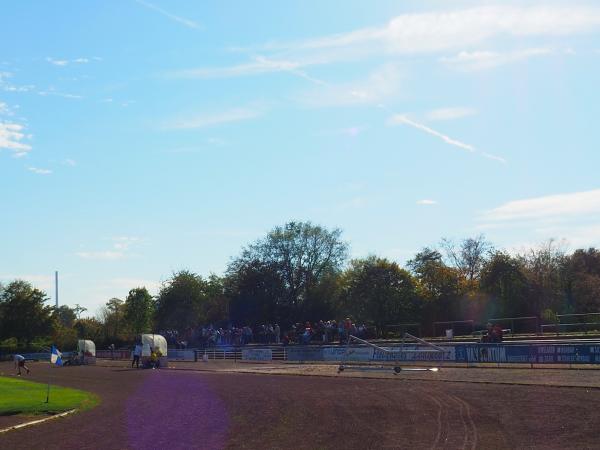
(138, 138)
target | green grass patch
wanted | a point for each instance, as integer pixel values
(18, 396)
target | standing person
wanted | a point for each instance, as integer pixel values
(20, 362)
(137, 352)
(111, 347)
(277, 332)
(154, 358)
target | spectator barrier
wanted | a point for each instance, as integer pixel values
(113, 354)
(257, 354)
(461, 353)
(181, 355)
(538, 353)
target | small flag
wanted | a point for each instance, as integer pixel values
(56, 356)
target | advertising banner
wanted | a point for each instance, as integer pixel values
(354, 354)
(415, 353)
(257, 354)
(304, 353)
(532, 353)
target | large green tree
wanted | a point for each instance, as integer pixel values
(378, 291)
(65, 315)
(111, 317)
(23, 314)
(545, 268)
(505, 282)
(296, 259)
(582, 281)
(139, 310)
(181, 302)
(439, 285)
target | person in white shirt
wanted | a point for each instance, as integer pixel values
(137, 352)
(20, 362)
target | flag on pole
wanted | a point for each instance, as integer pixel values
(56, 356)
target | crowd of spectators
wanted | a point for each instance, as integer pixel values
(325, 332)
(321, 332)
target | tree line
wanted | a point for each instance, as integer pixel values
(302, 272)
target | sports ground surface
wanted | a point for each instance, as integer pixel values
(278, 406)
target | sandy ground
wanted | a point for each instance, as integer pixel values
(585, 378)
(222, 407)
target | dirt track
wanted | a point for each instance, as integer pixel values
(187, 409)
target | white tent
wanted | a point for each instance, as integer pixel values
(153, 341)
(86, 350)
(87, 347)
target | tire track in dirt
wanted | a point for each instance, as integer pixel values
(473, 427)
(461, 415)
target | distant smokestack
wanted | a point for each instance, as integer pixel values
(56, 287)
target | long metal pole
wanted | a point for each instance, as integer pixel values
(56, 287)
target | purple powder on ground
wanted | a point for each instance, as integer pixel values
(176, 411)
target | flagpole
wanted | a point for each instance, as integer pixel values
(48, 391)
(49, 375)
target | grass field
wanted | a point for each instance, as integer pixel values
(18, 396)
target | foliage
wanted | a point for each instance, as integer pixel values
(550, 316)
(439, 285)
(90, 328)
(23, 314)
(181, 303)
(139, 310)
(296, 263)
(380, 292)
(504, 279)
(65, 315)
(469, 257)
(111, 316)
(298, 273)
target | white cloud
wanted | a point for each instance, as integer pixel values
(407, 34)
(130, 283)
(357, 202)
(60, 94)
(446, 30)
(70, 162)
(57, 62)
(399, 119)
(14, 88)
(107, 255)
(382, 84)
(8, 87)
(12, 137)
(5, 110)
(216, 141)
(559, 206)
(43, 282)
(480, 60)
(500, 159)
(350, 132)
(209, 120)
(571, 217)
(426, 202)
(258, 66)
(450, 113)
(66, 62)
(186, 22)
(39, 171)
(124, 242)
(120, 249)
